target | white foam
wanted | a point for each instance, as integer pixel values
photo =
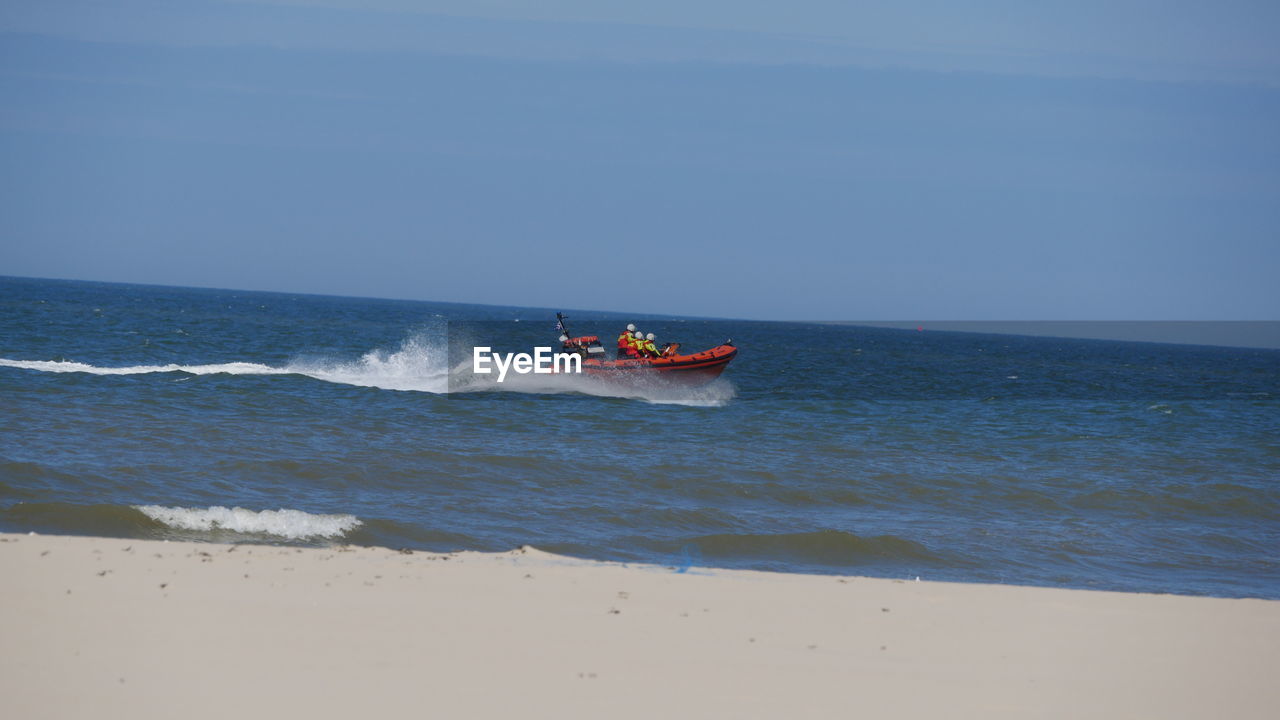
(291, 524)
(417, 365)
(655, 391)
(67, 366)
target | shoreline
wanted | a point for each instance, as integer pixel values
(153, 628)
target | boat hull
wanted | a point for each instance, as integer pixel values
(694, 369)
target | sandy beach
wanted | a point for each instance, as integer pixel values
(147, 629)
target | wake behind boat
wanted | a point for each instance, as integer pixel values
(666, 364)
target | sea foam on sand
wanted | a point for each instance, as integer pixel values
(129, 628)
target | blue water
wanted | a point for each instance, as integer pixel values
(238, 416)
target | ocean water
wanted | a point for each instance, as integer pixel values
(233, 416)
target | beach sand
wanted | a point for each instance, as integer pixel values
(146, 629)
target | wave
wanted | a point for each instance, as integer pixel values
(419, 364)
(155, 521)
(285, 523)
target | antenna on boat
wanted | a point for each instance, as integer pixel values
(560, 324)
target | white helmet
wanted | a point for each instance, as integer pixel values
(564, 338)
(649, 336)
(638, 336)
(631, 327)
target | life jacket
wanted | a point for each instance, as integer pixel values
(648, 349)
(625, 347)
(626, 344)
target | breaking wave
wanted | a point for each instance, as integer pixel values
(156, 521)
(419, 364)
(290, 524)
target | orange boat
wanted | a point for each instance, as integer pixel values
(695, 368)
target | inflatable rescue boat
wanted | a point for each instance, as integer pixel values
(694, 368)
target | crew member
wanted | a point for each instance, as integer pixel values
(648, 348)
(626, 346)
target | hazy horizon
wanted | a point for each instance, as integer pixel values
(1221, 333)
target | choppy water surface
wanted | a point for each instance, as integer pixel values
(238, 416)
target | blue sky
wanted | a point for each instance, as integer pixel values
(808, 160)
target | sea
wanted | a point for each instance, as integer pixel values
(251, 417)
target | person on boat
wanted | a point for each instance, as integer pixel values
(626, 344)
(647, 347)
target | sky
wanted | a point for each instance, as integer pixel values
(817, 160)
